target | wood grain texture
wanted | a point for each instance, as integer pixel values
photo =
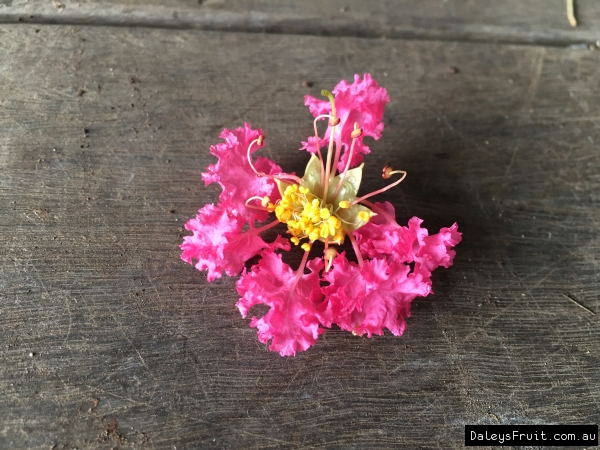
(510, 21)
(109, 340)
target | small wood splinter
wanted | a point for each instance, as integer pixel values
(571, 13)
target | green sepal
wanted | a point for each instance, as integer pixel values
(349, 188)
(281, 185)
(312, 175)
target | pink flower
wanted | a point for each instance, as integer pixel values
(235, 175)
(218, 243)
(292, 323)
(364, 297)
(363, 103)
(377, 295)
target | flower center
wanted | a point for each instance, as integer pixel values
(307, 216)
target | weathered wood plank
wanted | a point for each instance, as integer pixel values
(513, 21)
(103, 134)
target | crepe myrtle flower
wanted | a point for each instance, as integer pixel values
(394, 263)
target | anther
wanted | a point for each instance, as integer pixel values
(334, 122)
(357, 132)
(365, 216)
(387, 172)
(329, 254)
(261, 140)
(344, 204)
(265, 201)
(306, 247)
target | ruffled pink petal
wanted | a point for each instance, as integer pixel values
(292, 323)
(362, 102)
(382, 238)
(367, 299)
(218, 244)
(436, 249)
(345, 292)
(365, 101)
(310, 144)
(236, 177)
(317, 107)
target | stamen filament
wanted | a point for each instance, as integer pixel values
(281, 176)
(261, 208)
(300, 271)
(264, 227)
(343, 176)
(327, 168)
(379, 191)
(336, 159)
(356, 249)
(250, 158)
(332, 124)
(260, 199)
(322, 116)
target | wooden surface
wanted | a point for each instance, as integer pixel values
(507, 21)
(109, 340)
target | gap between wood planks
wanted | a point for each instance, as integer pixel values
(293, 24)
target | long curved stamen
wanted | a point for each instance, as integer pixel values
(279, 176)
(322, 116)
(386, 174)
(336, 158)
(264, 202)
(327, 165)
(300, 271)
(356, 249)
(260, 141)
(264, 227)
(334, 121)
(355, 135)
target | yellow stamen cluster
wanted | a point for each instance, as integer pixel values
(307, 217)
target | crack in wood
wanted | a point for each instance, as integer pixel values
(579, 304)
